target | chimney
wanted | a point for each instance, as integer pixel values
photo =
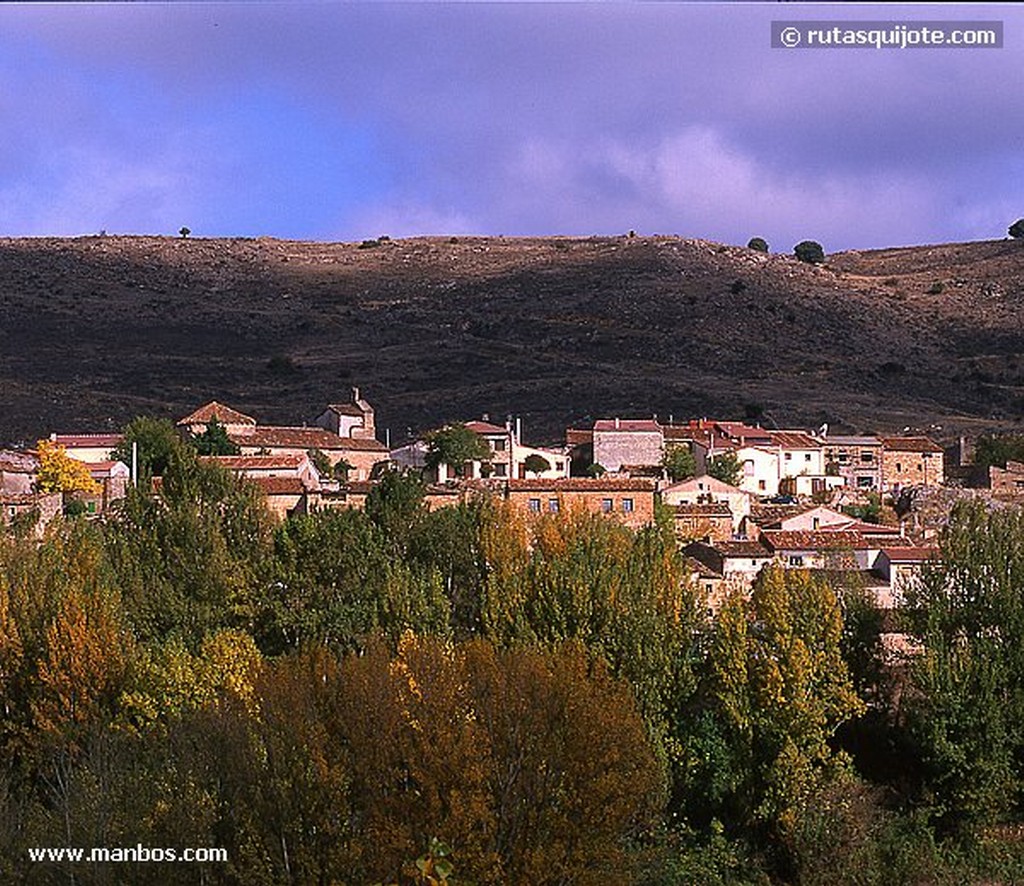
(616, 423)
(355, 395)
(519, 430)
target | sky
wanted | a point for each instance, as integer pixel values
(345, 121)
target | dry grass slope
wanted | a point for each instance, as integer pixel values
(94, 330)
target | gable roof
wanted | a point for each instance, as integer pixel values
(704, 483)
(224, 414)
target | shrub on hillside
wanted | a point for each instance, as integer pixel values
(809, 251)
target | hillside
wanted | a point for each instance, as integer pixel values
(94, 330)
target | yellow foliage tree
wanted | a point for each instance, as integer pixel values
(59, 472)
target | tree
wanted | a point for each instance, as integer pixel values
(967, 713)
(536, 464)
(455, 445)
(1016, 230)
(214, 440)
(727, 468)
(998, 449)
(155, 439)
(758, 243)
(679, 462)
(184, 232)
(809, 251)
(321, 462)
(59, 472)
(775, 689)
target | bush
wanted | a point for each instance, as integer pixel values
(809, 251)
(758, 243)
(1016, 230)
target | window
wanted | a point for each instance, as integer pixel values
(867, 457)
(864, 482)
(627, 506)
(498, 445)
(899, 467)
(748, 467)
(789, 456)
(500, 470)
(534, 505)
(606, 505)
(807, 456)
(761, 485)
(815, 522)
(559, 465)
(553, 505)
(796, 560)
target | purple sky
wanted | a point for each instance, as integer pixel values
(343, 121)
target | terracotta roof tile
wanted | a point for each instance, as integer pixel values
(778, 540)
(224, 414)
(583, 484)
(273, 437)
(910, 444)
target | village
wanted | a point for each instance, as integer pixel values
(798, 499)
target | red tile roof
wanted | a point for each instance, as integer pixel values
(285, 461)
(272, 437)
(819, 540)
(583, 484)
(910, 444)
(910, 554)
(224, 414)
(793, 440)
(345, 409)
(279, 485)
(486, 428)
(83, 440)
(713, 509)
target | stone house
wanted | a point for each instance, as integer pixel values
(17, 472)
(858, 460)
(1008, 480)
(630, 500)
(709, 522)
(911, 461)
(709, 490)
(619, 442)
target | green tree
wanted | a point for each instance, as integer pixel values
(809, 251)
(455, 445)
(214, 440)
(726, 467)
(155, 438)
(679, 462)
(536, 464)
(998, 449)
(1016, 230)
(758, 243)
(967, 713)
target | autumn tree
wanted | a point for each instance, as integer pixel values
(59, 472)
(774, 690)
